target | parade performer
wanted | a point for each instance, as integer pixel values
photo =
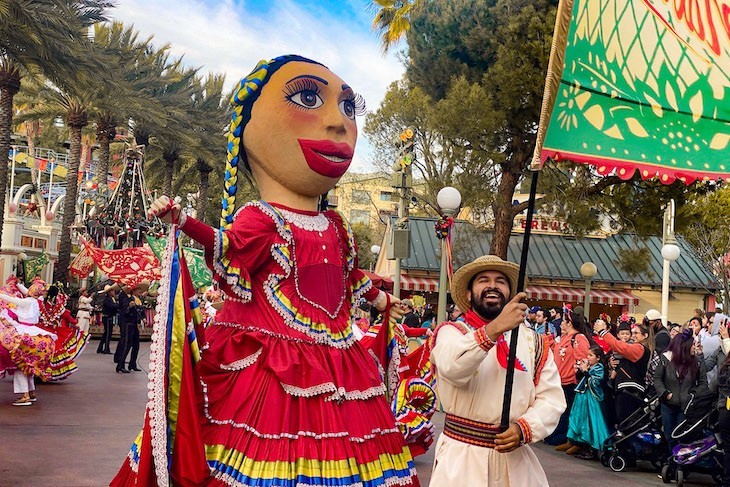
(84, 311)
(408, 382)
(213, 301)
(10, 288)
(289, 397)
(57, 319)
(470, 361)
(109, 312)
(29, 346)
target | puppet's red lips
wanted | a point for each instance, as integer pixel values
(325, 157)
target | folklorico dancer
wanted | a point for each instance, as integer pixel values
(408, 381)
(57, 319)
(30, 347)
(470, 360)
(289, 397)
(10, 288)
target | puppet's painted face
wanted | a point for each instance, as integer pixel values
(302, 130)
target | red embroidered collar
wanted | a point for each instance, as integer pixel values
(51, 313)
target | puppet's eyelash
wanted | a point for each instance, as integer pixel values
(359, 103)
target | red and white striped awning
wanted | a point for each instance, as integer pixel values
(423, 284)
(569, 295)
(546, 293)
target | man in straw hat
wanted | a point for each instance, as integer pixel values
(470, 361)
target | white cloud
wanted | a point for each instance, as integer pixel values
(225, 37)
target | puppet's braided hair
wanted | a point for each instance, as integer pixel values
(246, 93)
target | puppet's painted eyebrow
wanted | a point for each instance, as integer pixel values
(323, 81)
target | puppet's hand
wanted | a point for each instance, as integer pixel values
(165, 209)
(396, 312)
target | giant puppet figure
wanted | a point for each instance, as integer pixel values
(290, 398)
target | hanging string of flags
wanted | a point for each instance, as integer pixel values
(41, 164)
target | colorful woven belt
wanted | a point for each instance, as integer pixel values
(470, 431)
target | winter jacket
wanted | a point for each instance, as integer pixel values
(666, 381)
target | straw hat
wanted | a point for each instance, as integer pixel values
(462, 277)
(143, 285)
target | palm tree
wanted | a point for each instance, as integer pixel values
(24, 101)
(393, 19)
(132, 60)
(210, 113)
(47, 36)
(173, 138)
(74, 108)
(204, 170)
(170, 154)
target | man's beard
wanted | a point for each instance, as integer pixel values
(488, 311)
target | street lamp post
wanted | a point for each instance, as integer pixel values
(588, 270)
(375, 250)
(448, 199)
(670, 253)
(399, 242)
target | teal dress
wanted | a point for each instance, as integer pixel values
(587, 425)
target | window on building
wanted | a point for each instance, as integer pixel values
(360, 197)
(360, 216)
(385, 214)
(386, 196)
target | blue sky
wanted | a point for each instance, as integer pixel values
(230, 36)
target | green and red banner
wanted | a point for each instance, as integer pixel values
(640, 85)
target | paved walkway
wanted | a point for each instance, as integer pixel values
(79, 432)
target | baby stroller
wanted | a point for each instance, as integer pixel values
(699, 449)
(638, 437)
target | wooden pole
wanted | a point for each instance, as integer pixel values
(509, 381)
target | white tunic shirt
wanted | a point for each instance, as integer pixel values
(470, 384)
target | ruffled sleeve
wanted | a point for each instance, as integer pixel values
(239, 251)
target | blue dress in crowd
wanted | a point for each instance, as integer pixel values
(587, 424)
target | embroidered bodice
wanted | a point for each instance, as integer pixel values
(288, 271)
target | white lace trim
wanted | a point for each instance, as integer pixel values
(133, 464)
(393, 378)
(350, 242)
(249, 328)
(243, 295)
(156, 386)
(291, 436)
(312, 223)
(244, 362)
(218, 252)
(338, 393)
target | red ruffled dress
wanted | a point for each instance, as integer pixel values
(57, 319)
(290, 396)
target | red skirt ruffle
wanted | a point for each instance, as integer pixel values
(71, 342)
(281, 403)
(29, 353)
